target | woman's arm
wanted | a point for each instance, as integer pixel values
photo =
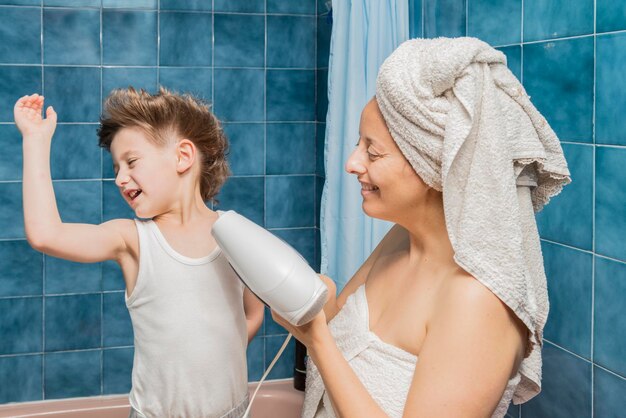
(473, 346)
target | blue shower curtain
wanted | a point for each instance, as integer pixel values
(364, 33)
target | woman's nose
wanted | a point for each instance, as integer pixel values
(355, 163)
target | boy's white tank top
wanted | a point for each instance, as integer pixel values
(190, 333)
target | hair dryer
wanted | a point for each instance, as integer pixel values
(275, 272)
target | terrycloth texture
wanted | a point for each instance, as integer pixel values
(468, 128)
(385, 370)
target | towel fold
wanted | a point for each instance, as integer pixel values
(469, 130)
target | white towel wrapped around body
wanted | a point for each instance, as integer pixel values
(469, 130)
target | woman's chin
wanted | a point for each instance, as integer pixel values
(372, 211)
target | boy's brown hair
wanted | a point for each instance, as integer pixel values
(164, 115)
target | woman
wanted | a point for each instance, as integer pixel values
(445, 317)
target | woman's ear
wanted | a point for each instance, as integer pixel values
(186, 154)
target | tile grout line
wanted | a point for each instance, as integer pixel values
(593, 207)
(578, 356)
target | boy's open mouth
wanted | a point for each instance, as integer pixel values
(132, 194)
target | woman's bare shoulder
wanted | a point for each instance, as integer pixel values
(466, 302)
(396, 237)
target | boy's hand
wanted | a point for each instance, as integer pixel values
(28, 118)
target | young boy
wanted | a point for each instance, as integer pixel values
(191, 315)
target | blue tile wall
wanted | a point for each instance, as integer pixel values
(444, 18)
(25, 377)
(578, 83)
(324, 31)
(116, 326)
(127, 4)
(611, 15)
(78, 101)
(292, 7)
(72, 374)
(255, 358)
(15, 82)
(569, 285)
(63, 276)
(566, 386)
(416, 29)
(247, 147)
(610, 89)
(113, 204)
(112, 278)
(129, 37)
(79, 164)
(609, 309)
(322, 95)
(22, 2)
(117, 364)
(294, 139)
(561, 72)
(177, 79)
(244, 194)
(290, 95)
(20, 35)
(235, 47)
(123, 77)
(79, 201)
(73, 3)
(11, 157)
(290, 201)
(71, 36)
(569, 217)
(610, 202)
(73, 322)
(239, 6)
(284, 366)
(495, 22)
(291, 41)
(21, 269)
(10, 210)
(186, 39)
(234, 87)
(20, 325)
(557, 19)
(608, 392)
(198, 5)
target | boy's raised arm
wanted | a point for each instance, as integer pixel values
(44, 229)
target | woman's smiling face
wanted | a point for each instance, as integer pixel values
(389, 185)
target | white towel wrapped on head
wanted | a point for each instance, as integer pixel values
(469, 130)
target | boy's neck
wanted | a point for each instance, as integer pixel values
(186, 211)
